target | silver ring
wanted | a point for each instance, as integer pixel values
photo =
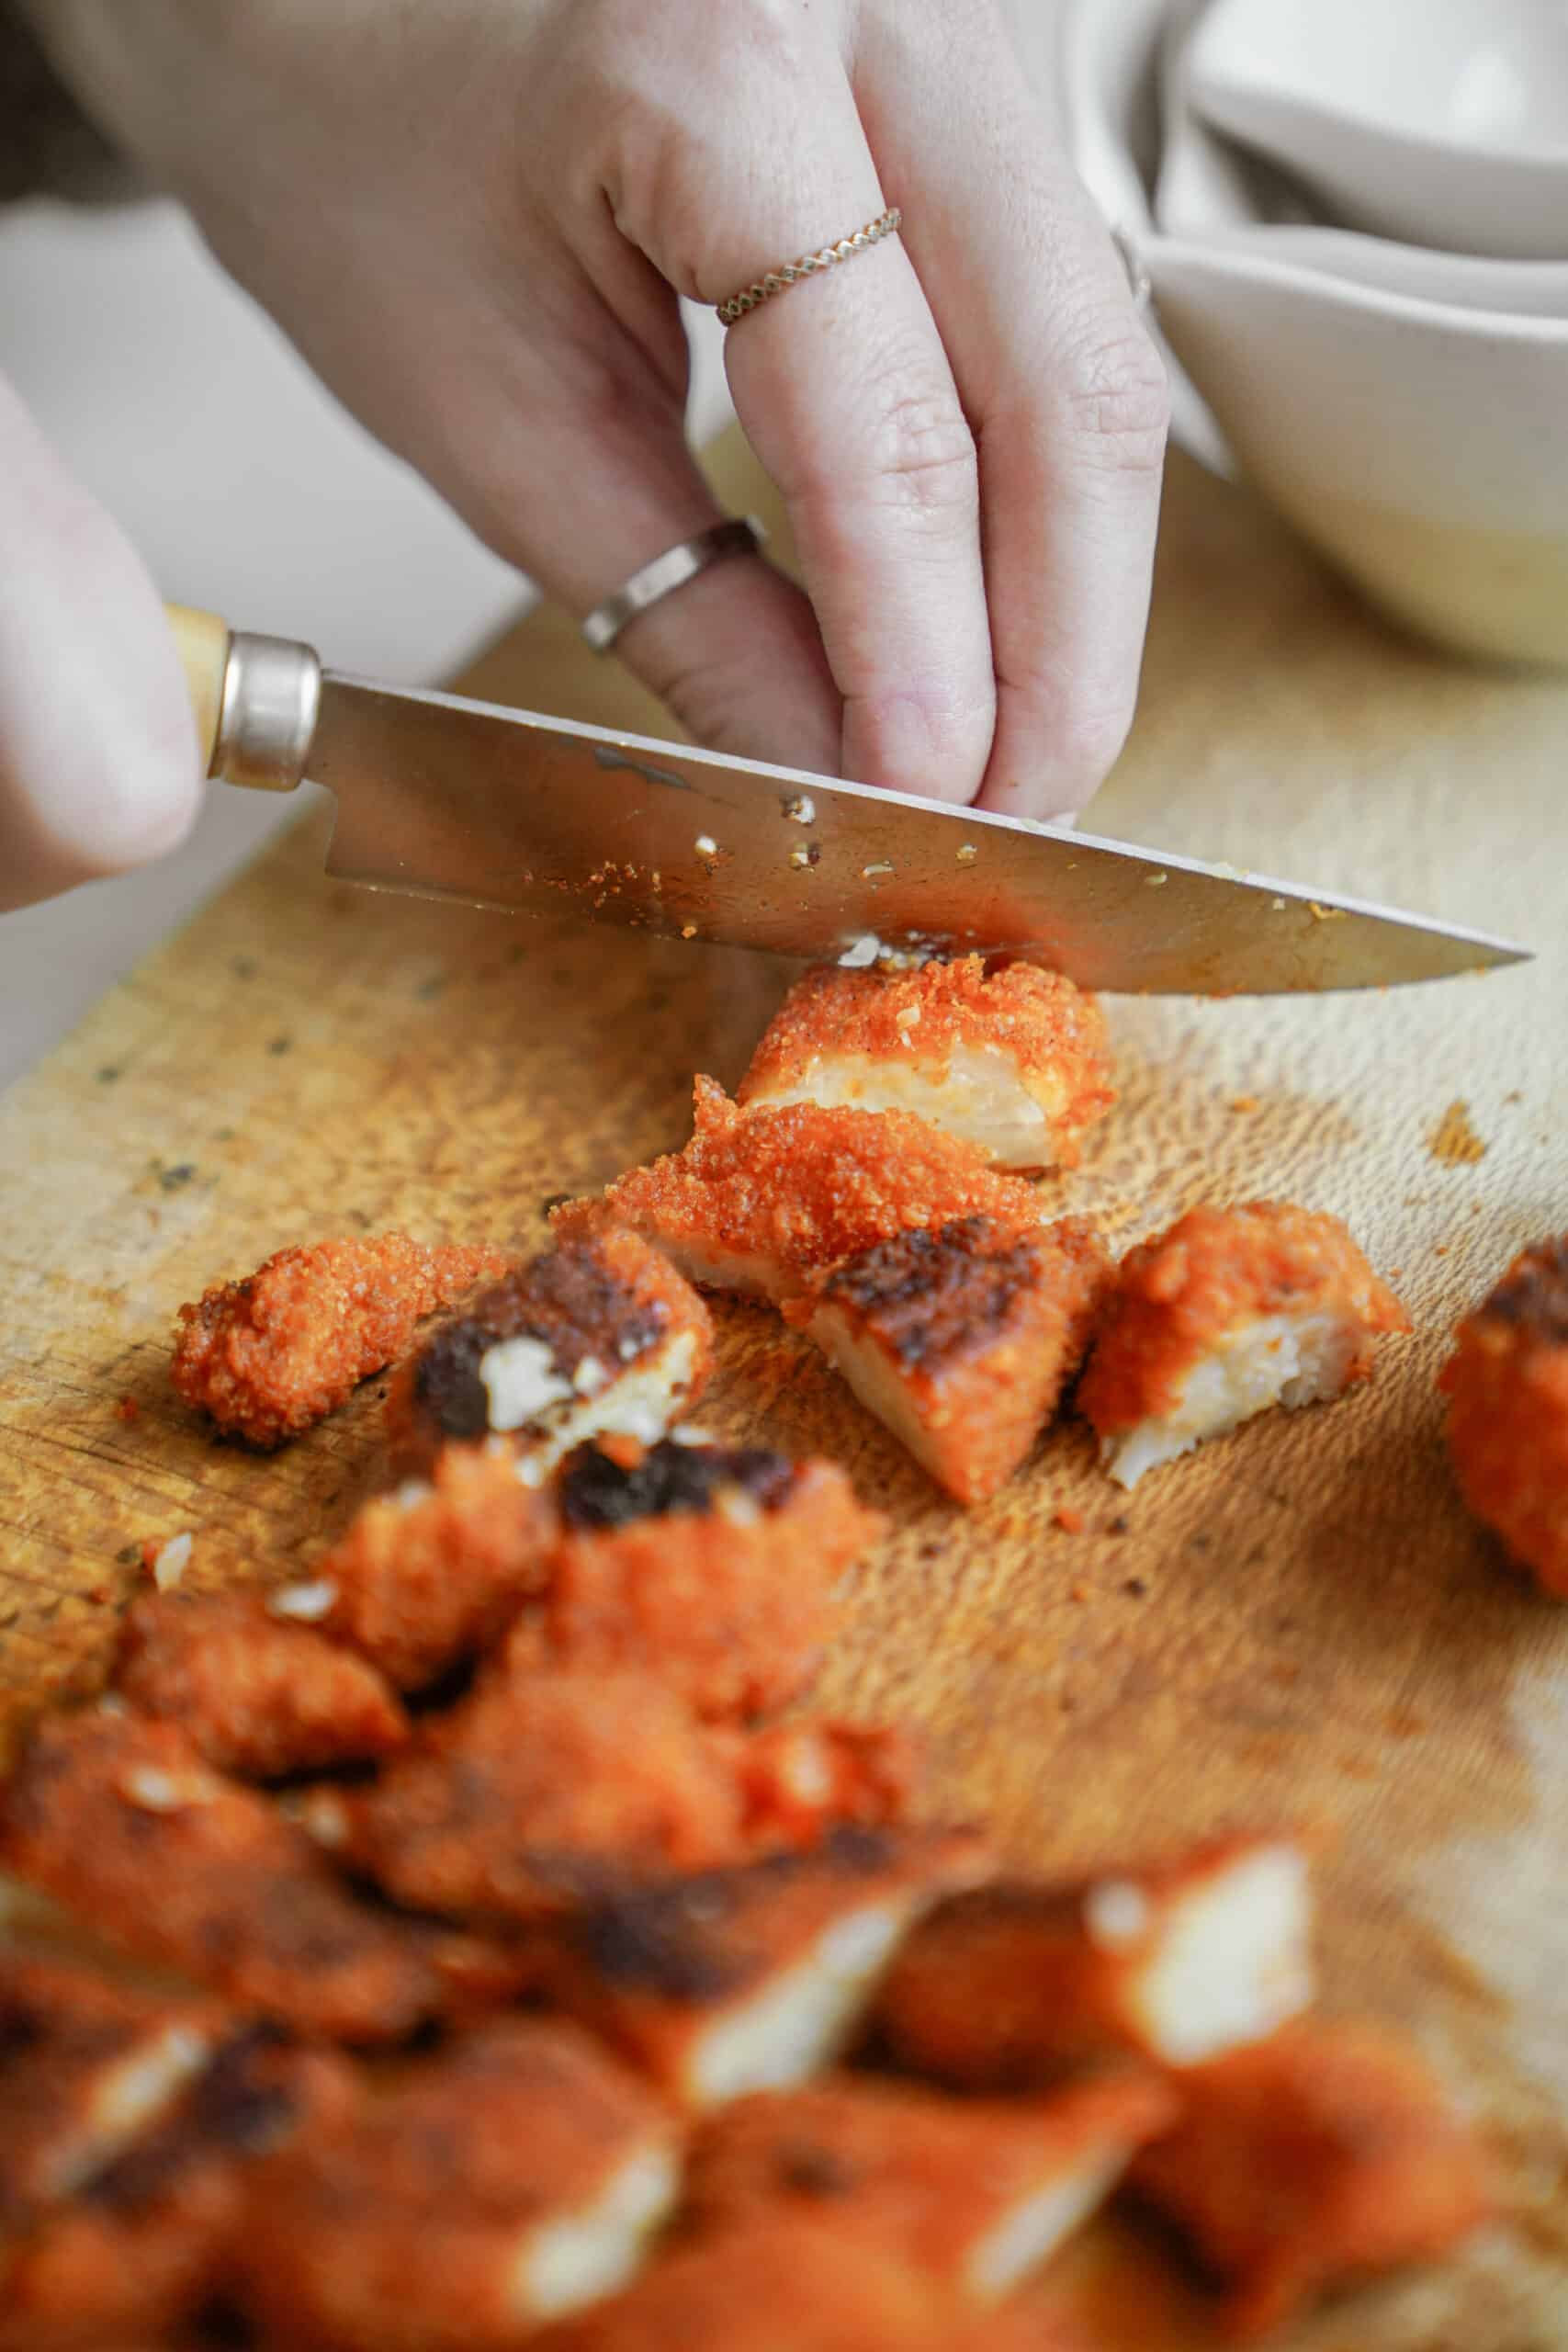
(742, 535)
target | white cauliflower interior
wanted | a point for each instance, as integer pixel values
(1273, 1359)
(978, 1093)
(1233, 1962)
(580, 2257)
(802, 2019)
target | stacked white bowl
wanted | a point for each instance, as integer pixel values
(1353, 219)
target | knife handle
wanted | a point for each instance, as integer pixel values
(254, 699)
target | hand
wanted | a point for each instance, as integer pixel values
(98, 761)
(474, 217)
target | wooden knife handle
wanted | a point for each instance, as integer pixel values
(254, 699)
(201, 640)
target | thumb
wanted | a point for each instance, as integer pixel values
(98, 763)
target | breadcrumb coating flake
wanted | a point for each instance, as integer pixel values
(975, 2192)
(542, 1790)
(599, 1333)
(804, 1777)
(1011, 1059)
(1229, 1312)
(1322, 2157)
(259, 1696)
(759, 1201)
(1507, 1384)
(754, 1977)
(513, 2175)
(713, 1568)
(962, 1339)
(148, 2240)
(1017, 1983)
(124, 1824)
(433, 1572)
(269, 1356)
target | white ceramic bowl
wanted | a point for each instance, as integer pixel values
(1442, 122)
(1422, 445)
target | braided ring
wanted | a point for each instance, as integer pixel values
(774, 281)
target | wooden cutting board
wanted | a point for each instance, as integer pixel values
(1300, 1622)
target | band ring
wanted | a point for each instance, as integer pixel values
(742, 535)
(789, 273)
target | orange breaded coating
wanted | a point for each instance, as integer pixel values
(540, 1788)
(712, 1568)
(1325, 2155)
(1223, 1280)
(430, 1574)
(978, 2192)
(779, 2284)
(508, 2178)
(1012, 1058)
(269, 1356)
(963, 1338)
(85, 2067)
(258, 1695)
(754, 1977)
(759, 1201)
(123, 1823)
(800, 1777)
(774, 2286)
(1506, 1384)
(1017, 1983)
(147, 2241)
(599, 1333)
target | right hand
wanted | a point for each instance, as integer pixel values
(98, 764)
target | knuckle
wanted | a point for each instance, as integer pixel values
(1118, 396)
(923, 458)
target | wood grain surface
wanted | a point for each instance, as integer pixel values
(1300, 1623)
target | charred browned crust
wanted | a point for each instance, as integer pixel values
(606, 1296)
(716, 1573)
(597, 1491)
(940, 1294)
(1534, 1293)
(124, 1824)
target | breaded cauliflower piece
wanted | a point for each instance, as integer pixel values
(513, 2176)
(541, 1790)
(759, 1201)
(1506, 1384)
(811, 1773)
(962, 1339)
(752, 1978)
(145, 2244)
(975, 2192)
(712, 1568)
(1011, 1060)
(268, 1356)
(1300, 2163)
(258, 1695)
(1230, 1312)
(85, 2068)
(599, 1334)
(1012, 1983)
(425, 1577)
(123, 1823)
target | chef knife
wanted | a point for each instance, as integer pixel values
(444, 797)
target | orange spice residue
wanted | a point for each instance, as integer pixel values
(1069, 1518)
(1454, 1140)
(128, 1409)
(1244, 1103)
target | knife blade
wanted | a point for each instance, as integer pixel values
(442, 797)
